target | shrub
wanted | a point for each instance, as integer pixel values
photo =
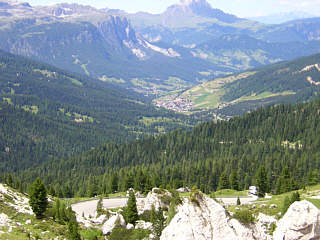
(92, 234)
(125, 234)
(244, 216)
(272, 228)
(288, 201)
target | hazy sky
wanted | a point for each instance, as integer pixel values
(241, 8)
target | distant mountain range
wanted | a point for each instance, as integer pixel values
(283, 17)
(189, 43)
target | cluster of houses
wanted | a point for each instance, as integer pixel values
(176, 104)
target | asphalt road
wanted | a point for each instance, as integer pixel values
(89, 208)
(233, 201)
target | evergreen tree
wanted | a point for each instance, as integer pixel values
(9, 180)
(313, 178)
(131, 212)
(285, 183)
(73, 227)
(262, 181)
(224, 182)
(99, 206)
(38, 198)
(114, 183)
(234, 180)
(57, 210)
(238, 201)
(158, 221)
(288, 201)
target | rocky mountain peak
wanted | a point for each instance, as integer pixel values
(199, 8)
(117, 29)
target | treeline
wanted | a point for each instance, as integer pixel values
(284, 139)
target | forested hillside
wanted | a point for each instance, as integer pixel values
(284, 139)
(47, 113)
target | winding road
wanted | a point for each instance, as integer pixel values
(89, 208)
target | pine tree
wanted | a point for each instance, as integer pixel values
(131, 211)
(238, 201)
(73, 227)
(224, 182)
(114, 183)
(262, 181)
(285, 182)
(157, 220)
(99, 206)
(313, 178)
(234, 181)
(38, 198)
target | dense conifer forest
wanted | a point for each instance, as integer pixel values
(48, 114)
(284, 139)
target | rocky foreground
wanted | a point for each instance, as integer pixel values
(203, 218)
(209, 220)
(197, 218)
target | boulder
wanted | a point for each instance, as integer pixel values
(157, 198)
(137, 194)
(273, 206)
(130, 226)
(109, 225)
(183, 190)
(4, 220)
(28, 221)
(144, 225)
(100, 220)
(302, 221)
(204, 219)
(263, 226)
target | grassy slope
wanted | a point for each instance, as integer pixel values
(283, 82)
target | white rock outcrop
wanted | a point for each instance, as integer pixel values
(154, 198)
(109, 225)
(100, 220)
(19, 201)
(262, 226)
(143, 225)
(130, 226)
(204, 219)
(302, 221)
(4, 220)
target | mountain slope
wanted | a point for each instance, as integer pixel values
(242, 52)
(283, 17)
(47, 113)
(274, 137)
(296, 30)
(190, 22)
(292, 81)
(98, 44)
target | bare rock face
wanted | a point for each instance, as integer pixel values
(302, 221)
(109, 225)
(204, 219)
(19, 201)
(157, 198)
(4, 220)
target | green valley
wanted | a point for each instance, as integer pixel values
(236, 94)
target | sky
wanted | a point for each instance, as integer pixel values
(241, 8)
